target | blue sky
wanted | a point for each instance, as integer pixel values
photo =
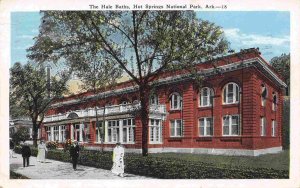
(270, 31)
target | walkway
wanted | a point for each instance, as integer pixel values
(60, 170)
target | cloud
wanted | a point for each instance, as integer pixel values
(235, 35)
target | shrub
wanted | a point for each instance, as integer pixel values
(286, 124)
(52, 144)
(67, 144)
(21, 135)
(167, 168)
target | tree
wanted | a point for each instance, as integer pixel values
(282, 65)
(96, 75)
(21, 135)
(143, 43)
(30, 92)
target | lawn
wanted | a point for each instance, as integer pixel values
(279, 161)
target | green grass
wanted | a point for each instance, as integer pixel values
(14, 175)
(279, 161)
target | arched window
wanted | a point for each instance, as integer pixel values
(274, 101)
(176, 101)
(231, 93)
(153, 99)
(206, 95)
(264, 94)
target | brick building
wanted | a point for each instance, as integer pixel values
(237, 111)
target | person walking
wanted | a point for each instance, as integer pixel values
(118, 160)
(42, 149)
(26, 153)
(74, 153)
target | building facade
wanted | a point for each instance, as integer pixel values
(236, 111)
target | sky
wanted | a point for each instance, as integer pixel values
(267, 30)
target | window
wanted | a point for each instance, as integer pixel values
(155, 130)
(62, 133)
(274, 128)
(231, 125)
(176, 101)
(231, 93)
(153, 100)
(206, 95)
(274, 101)
(176, 128)
(263, 126)
(113, 131)
(48, 130)
(205, 126)
(99, 128)
(128, 130)
(264, 94)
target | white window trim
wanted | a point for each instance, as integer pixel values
(179, 101)
(205, 126)
(156, 100)
(175, 128)
(210, 94)
(159, 126)
(235, 86)
(263, 126)
(264, 100)
(97, 130)
(127, 130)
(230, 126)
(274, 128)
(113, 128)
(274, 105)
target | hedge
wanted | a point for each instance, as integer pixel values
(164, 168)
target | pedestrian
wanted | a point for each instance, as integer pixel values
(118, 160)
(42, 149)
(26, 153)
(74, 153)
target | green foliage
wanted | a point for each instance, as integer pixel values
(20, 135)
(282, 65)
(30, 92)
(286, 124)
(52, 144)
(13, 175)
(171, 168)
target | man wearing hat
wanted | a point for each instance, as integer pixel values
(26, 153)
(74, 153)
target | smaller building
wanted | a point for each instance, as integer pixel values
(15, 124)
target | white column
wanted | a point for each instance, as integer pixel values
(39, 133)
(80, 132)
(52, 133)
(72, 132)
(59, 133)
(105, 131)
(121, 131)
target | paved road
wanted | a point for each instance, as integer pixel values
(60, 170)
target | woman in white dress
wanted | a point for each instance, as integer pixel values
(41, 156)
(118, 160)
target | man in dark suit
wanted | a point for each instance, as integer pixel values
(26, 153)
(74, 153)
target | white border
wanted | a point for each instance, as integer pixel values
(6, 6)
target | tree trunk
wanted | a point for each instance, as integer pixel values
(144, 114)
(35, 132)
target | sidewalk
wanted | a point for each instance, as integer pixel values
(60, 170)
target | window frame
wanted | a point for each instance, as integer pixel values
(211, 127)
(130, 129)
(176, 127)
(210, 94)
(153, 99)
(263, 126)
(178, 101)
(274, 103)
(156, 138)
(230, 125)
(263, 99)
(235, 93)
(274, 128)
